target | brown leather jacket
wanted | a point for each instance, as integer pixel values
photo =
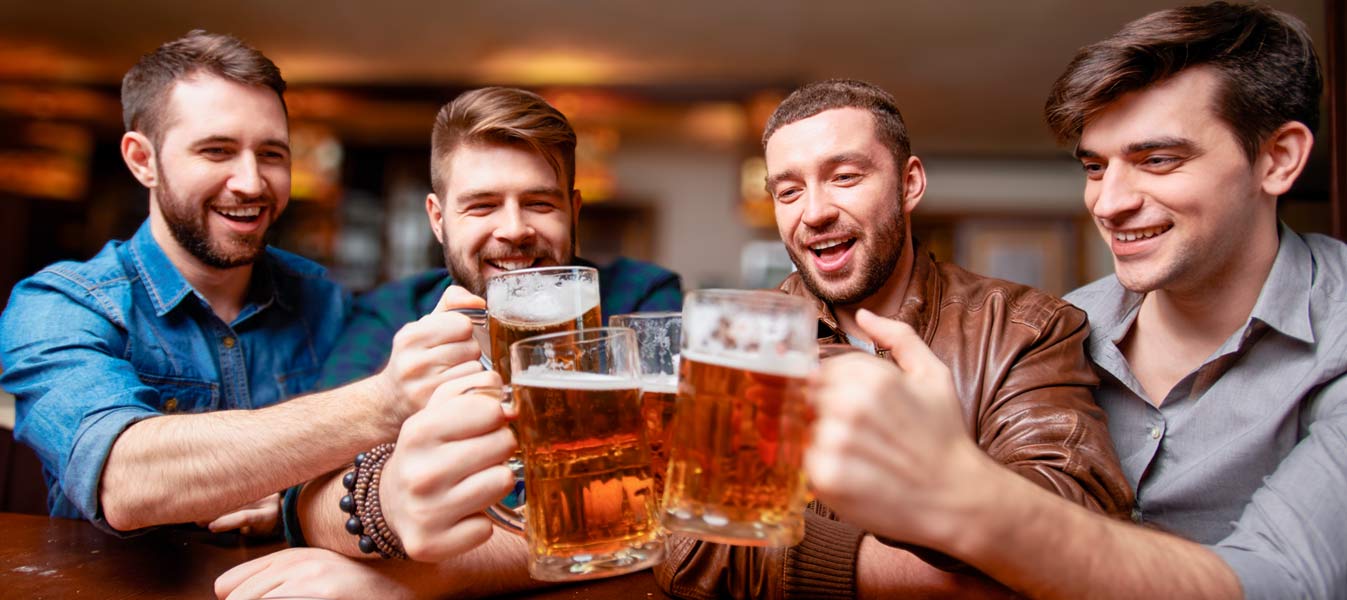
(1020, 369)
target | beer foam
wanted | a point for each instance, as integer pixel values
(572, 380)
(786, 364)
(540, 298)
(660, 384)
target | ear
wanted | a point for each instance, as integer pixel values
(138, 153)
(435, 214)
(1283, 157)
(914, 184)
(576, 201)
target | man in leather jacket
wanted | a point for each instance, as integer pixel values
(844, 182)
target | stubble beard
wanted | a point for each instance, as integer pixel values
(192, 232)
(888, 241)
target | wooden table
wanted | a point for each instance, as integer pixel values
(61, 558)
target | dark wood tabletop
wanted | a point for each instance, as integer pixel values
(61, 558)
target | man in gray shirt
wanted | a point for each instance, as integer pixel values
(1221, 344)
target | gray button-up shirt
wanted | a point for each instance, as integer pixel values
(1248, 453)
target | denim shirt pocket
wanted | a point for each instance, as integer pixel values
(296, 383)
(184, 395)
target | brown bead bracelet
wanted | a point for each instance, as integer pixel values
(362, 503)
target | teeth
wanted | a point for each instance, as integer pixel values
(1139, 234)
(511, 265)
(826, 245)
(240, 212)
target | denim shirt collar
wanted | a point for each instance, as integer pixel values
(168, 288)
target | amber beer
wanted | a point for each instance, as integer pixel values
(657, 410)
(587, 473)
(531, 302)
(735, 456)
(505, 331)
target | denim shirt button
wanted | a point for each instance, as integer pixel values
(228, 341)
(171, 405)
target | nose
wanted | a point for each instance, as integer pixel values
(819, 209)
(246, 180)
(512, 227)
(1114, 196)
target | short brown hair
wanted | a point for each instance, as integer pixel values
(504, 116)
(146, 87)
(1268, 69)
(814, 98)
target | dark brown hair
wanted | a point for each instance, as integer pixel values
(1266, 62)
(146, 87)
(814, 98)
(504, 116)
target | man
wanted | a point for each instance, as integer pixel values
(136, 372)
(503, 171)
(1221, 342)
(844, 182)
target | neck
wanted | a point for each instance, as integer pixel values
(885, 302)
(224, 289)
(1214, 307)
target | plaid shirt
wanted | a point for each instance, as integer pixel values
(624, 286)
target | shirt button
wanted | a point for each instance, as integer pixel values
(1155, 432)
(228, 342)
(171, 405)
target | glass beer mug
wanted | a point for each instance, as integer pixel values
(658, 334)
(591, 509)
(737, 439)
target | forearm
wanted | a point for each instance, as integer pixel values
(184, 468)
(1046, 547)
(322, 520)
(500, 566)
(886, 572)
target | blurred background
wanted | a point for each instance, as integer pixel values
(668, 99)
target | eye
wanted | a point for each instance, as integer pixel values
(787, 195)
(273, 156)
(1160, 161)
(479, 209)
(847, 177)
(1093, 170)
(542, 206)
(216, 152)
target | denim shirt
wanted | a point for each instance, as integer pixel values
(90, 348)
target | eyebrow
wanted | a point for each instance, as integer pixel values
(1142, 146)
(856, 158)
(474, 195)
(224, 139)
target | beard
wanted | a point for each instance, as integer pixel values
(886, 238)
(468, 273)
(188, 222)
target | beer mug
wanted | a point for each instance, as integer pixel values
(591, 509)
(529, 302)
(658, 335)
(737, 438)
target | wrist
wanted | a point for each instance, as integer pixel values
(387, 405)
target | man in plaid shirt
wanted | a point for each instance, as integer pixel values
(495, 221)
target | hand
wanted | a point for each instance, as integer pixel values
(308, 572)
(258, 518)
(889, 450)
(436, 348)
(448, 468)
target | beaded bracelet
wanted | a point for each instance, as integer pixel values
(362, 503)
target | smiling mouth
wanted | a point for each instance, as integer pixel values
(240, 214)
(1132, 235)
(512, 264)
(832, 248)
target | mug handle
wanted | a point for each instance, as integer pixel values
(509, 515)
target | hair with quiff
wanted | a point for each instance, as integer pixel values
(1268, 69)
(501, 115)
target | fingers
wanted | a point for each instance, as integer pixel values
(906, 347)
(458, 297)
(434, 329)
(230, 581)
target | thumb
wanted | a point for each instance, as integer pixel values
(903, 343)
(459, 297)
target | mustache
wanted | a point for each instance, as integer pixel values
(530, 251)
(831, 231)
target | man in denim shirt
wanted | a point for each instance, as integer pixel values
(195, 314)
